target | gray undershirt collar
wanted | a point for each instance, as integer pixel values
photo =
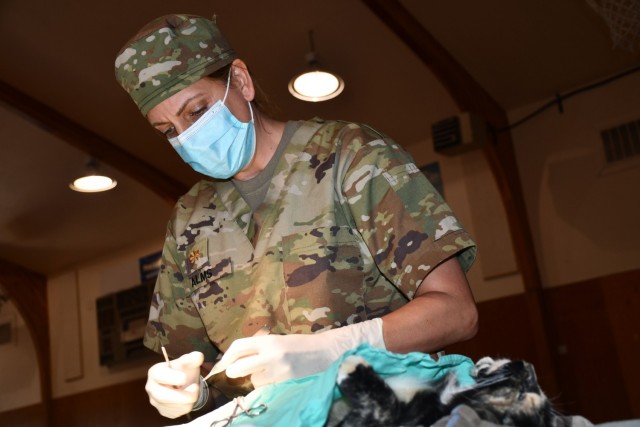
(254, 190)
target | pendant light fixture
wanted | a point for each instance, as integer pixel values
(315, 84)
(93, 181)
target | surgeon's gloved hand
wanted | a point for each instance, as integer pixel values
(275, 358)
(174, 387)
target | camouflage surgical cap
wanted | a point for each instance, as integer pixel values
(169, 54)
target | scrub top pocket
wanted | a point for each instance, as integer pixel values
(323, 272)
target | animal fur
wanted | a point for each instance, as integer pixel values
(506, 392)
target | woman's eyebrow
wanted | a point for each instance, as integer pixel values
(180, 110)
(184, 104)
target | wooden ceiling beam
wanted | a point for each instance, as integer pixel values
(45, 117)
(462, 87)
(472, 97)
(28, 292)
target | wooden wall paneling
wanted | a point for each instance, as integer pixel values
(622, 305)
(504, 332)
(28, 416)
(471, 97)
(125, 404)
(589, 373)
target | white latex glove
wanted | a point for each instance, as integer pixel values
(275, 358)
(174, 387)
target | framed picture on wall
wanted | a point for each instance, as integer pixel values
(150, 266)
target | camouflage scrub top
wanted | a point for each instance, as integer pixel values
(348, 230)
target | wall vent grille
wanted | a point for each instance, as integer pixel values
(621, 142)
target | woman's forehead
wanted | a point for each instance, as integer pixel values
(204, 88)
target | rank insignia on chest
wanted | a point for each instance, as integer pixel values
(194, 256)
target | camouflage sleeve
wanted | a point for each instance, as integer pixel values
(174, 321)
(404, 221)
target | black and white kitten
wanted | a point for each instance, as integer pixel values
(506, 392)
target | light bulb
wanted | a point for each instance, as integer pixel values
(316, 86)
(93, 184)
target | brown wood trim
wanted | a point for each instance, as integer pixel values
(467, 93)
(94, 145)
(28, 291)
(471, 96)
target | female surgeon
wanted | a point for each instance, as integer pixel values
(325, 232)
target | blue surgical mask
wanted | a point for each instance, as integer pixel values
(217, 144)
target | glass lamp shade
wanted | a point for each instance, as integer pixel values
(316, 85)
(93, 184)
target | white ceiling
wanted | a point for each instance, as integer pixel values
(61, 54)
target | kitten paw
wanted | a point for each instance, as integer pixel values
(488, 365)
(349, 364)
(482, 364)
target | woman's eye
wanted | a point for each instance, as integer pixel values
(198, 111)
(169, 133)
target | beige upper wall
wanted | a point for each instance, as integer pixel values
(73, 325)
(583, 213)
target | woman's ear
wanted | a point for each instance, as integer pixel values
(242, 79)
